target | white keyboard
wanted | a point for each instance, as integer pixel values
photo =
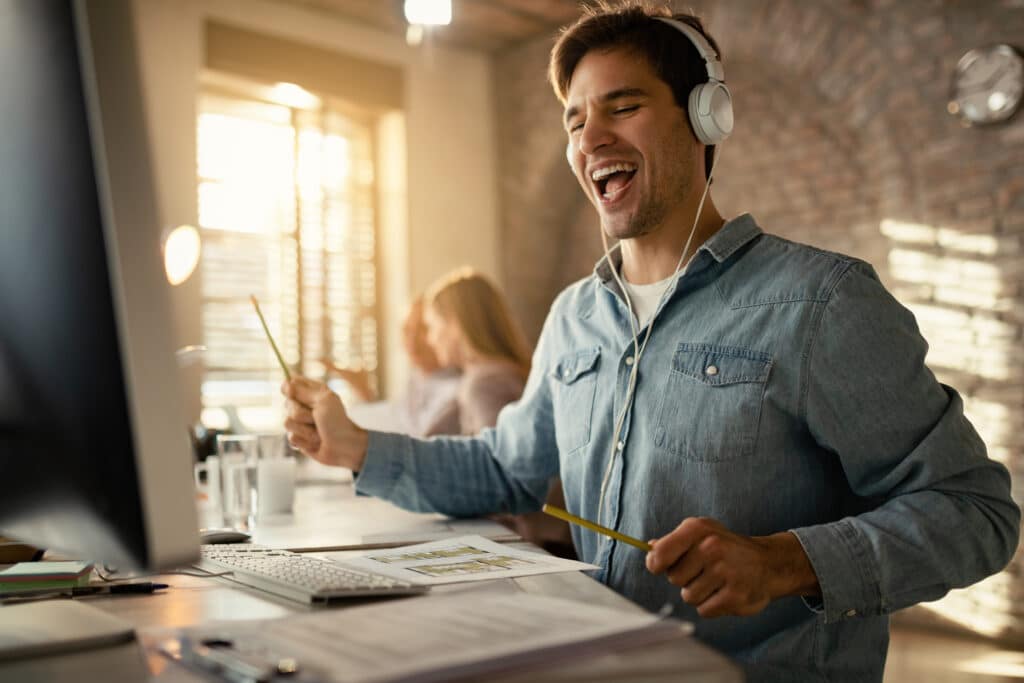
(296, 576)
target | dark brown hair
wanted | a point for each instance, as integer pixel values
(632, 26)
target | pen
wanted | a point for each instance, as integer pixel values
(137, 587)
(263, 322)
(573, 519)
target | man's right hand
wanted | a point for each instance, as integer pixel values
(318, 425)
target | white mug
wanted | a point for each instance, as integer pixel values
(275, 475)
(209, 470)
(275, 486)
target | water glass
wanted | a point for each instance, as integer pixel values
(239, 455)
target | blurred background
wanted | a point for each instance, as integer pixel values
(336, 157)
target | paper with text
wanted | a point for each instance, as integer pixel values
(454, 560)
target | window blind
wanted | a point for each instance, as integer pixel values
(286, 212)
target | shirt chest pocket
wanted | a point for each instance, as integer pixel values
(711, 407)
(574, 384)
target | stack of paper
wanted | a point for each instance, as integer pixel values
(437, 638)
(44, 575)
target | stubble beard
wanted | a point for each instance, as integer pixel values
(642, 222)
(651, 214)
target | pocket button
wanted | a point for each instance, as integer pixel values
(711, 370)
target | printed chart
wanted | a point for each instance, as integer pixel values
(467, 558)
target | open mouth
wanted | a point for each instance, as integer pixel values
(612, 181)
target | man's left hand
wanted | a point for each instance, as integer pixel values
(723, 573)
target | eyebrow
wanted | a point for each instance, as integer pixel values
(620, 93)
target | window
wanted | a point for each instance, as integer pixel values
(286, 212)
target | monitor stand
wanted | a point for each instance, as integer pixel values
(50, 627)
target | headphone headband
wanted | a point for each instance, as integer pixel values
(714, 66)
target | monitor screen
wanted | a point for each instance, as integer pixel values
(94, 455)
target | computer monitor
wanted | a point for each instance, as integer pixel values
(95, 460)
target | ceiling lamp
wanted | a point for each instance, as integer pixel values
(428, 12)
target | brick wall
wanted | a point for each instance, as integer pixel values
(842, 141)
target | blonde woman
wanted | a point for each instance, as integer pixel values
(427, 406)
(470, 329)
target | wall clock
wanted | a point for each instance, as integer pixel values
(988, 85)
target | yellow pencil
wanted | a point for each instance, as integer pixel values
(573, 519)
(256, 305)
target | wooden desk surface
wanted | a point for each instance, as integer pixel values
(195, 600)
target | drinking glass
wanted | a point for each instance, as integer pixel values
(239, 455)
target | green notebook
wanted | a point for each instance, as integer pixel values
(42, 575)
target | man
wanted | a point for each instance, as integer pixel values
(799, 468)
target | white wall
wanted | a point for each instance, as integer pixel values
(451, 185)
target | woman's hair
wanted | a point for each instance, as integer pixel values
(480, 310)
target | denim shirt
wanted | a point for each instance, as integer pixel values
(782, 388)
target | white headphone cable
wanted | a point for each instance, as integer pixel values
(631, 388)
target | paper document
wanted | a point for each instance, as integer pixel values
(466, 558)
(426, 639)
(439, 529)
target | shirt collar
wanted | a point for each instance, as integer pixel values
(732, 236)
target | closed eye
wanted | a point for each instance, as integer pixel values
(627, 109)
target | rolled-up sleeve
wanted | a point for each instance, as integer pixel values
(940, 511)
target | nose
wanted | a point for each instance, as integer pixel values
(594, 135)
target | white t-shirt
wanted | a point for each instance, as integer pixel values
(645, 298)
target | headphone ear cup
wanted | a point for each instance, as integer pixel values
(710, 111)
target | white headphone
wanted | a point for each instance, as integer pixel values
(709, 105)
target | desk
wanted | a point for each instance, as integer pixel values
(195, 600)
(330, 516)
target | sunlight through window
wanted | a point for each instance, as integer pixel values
(958, 288)
(284, 215)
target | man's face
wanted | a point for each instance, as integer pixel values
(630, 146)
